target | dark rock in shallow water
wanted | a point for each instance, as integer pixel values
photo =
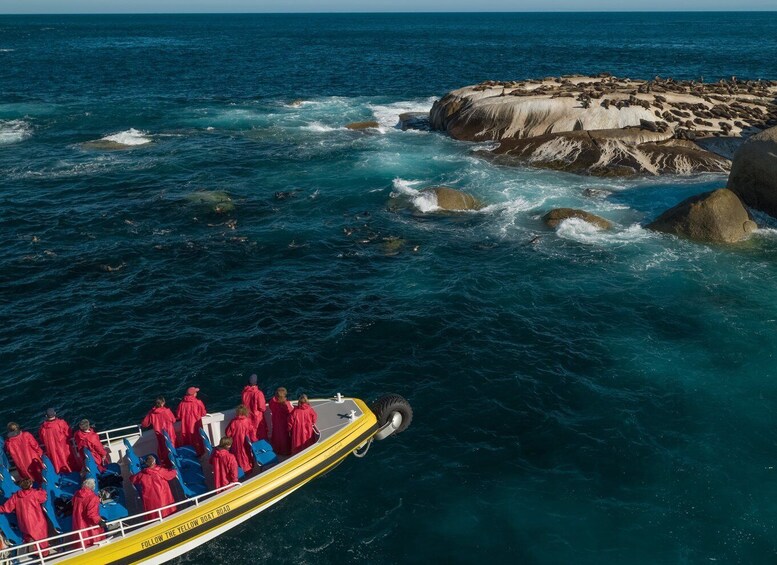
(553, 218)
(610, 153)
(414, 120)
(754, 172)
(713, 217)
(363, 125)
(452, 200)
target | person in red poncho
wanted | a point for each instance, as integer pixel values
(301, 425)
(281, 410)
(25, 452)
(154, 485)
(86, 514)
(87, 438)
(253, 398)
(161, 418)
(224, 464)
(29, 513)
(240, 428)
(55, 435)
(191, 411)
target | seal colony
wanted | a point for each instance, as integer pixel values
(607, 126)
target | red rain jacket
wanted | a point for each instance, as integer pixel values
(161, 419)
(155, 489)
(55, 435)
(253, 398)
(239, 429)
(91, 441)
(280, 440)
(29, 514)
(224, 467)
(301, 425)
(190, 412)
(26, 453)
(86, 512)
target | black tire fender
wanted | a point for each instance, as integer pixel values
(386, 410)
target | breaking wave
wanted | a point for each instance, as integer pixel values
(129, 137)
(14, 131)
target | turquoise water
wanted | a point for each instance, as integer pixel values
(588, 398)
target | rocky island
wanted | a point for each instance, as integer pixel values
(608, 126)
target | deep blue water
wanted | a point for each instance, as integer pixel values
(592, 398)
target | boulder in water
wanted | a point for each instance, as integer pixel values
(363, 125)
(754, 172)
(214, 201)
(452, 200)
(414, 120)
(553, 218)
(712, 217)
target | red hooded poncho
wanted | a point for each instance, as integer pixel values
(301, 425)
(29, 514)
(155, 489)
(190, 412)
(55, 435)
(224, 467)
(280, 440)
(86, 513)
(26, 453)
(239, 429)
(90, 440)
(161, 418)
(253, 398)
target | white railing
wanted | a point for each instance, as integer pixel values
(75, 541)
(107, 436)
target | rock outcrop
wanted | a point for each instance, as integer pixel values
(414, 120)
(553, 218)
(712, 217)
(362, 125)
(545, 122)
(452, 200)
(754, 172)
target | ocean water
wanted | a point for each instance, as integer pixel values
(168, 216)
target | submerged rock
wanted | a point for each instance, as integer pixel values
(553, 218)
(572, 123)
(713, 217)
(754, 172)
(363, 125)
(214, 201)
(414, 120)
(452, 200)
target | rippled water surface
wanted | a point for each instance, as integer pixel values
(169, 216)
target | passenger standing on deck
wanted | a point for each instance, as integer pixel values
(154, 486)
(254, 400)
(191, 411)
(161, 418)
(301, 425)
(29, 514)
(240, 428)
(224, 464)
(55, 435)
(86, 513)
(281, 410)
(87, 439)
(25, 452)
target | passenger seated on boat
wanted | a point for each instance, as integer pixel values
(22, 447)
(55, 435)
(254, 400)
(301, 423)
(281, 410)
(190, 412)
(161, 418)
(240, 428)
(29, 512)
(224, 464)
(86, 513)
(87, 438)
(154, 486)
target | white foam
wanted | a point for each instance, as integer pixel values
(577, 229)
(387, 115)
(129, 137)
(7, 50)
(318, 127)
(14, 131)
(425, 202)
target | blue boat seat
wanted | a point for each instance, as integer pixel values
(92, 470)
(62, 485)
(264, 456)
(132, 458)
(206, 441)
(7, 484)
(186, 455)
(10, 530)
(190, 476)
(113, 510)
(3, 457)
